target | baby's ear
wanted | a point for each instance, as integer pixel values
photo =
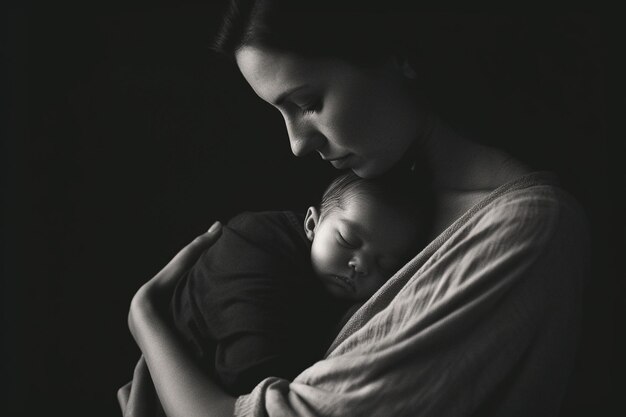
(310, 222)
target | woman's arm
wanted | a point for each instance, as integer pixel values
(183, 389)
(138, 398)
(122, 396)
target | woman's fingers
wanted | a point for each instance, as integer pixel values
(122, 396)
(142, 398)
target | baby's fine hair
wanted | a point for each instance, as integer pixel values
(395, 191)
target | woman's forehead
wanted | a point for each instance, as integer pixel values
(272, 73)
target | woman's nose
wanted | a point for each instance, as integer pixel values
(303, 138)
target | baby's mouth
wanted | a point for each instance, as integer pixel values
(349, 283)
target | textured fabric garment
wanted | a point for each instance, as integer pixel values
(483, 322)
(250, 307)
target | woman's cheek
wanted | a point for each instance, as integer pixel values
(343, 124)
(329, 122)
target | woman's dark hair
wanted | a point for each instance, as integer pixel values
(482, 73)
(311, 30)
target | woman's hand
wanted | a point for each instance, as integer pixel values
(138, 398)
(183, 388)
(154, 295)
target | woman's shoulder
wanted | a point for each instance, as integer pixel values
(533, 208)
(537, 196)
(531, 213)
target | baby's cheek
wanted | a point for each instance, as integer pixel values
(322, 255)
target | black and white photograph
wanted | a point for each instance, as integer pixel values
(320, 209)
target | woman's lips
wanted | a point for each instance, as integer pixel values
(340, 163)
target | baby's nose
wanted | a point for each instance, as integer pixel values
(358, 266)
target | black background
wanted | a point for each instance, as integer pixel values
(124, 137)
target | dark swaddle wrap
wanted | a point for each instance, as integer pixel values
(251, 308)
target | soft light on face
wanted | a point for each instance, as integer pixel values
(362, 119)
(357, 248)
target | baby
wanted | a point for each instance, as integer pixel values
(267, 297)
(361, 234)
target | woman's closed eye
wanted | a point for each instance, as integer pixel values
(310, 106)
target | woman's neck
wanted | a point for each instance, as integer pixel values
(460, 165)
(462, 172)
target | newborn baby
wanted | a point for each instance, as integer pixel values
(267, 298)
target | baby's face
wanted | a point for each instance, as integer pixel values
(355, 250)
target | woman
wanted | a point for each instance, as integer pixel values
(484, 321)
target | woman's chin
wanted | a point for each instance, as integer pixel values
(368, 171)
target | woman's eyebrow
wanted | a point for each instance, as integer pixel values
(281, 98)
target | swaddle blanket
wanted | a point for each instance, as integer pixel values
(483, 322)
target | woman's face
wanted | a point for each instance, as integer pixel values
(357, 248)
(363, 119)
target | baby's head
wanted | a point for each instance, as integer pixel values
(362, 232)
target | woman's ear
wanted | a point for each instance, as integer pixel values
(310, 222)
